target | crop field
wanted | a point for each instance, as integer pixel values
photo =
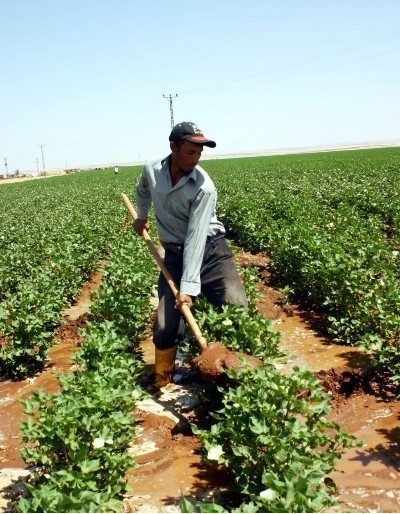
(330, 223)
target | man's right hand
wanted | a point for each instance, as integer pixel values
(140, 225)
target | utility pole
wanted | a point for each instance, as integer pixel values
(44, 167)
(37, 165)
(171, 98)
(6, 165)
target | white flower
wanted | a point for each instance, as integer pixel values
(215, 452)
(268, 494)
(98, 443)
(136, 394)
(227, 322)
(109, 441)
(395, 253)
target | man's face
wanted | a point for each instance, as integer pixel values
(186, 155)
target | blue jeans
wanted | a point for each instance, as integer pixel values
(220, 284)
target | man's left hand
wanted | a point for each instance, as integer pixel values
(183, 299)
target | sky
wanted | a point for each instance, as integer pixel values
(88, 82)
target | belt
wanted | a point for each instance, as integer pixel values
(173, 247)
(178, 247)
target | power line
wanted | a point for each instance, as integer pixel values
(242, 81)
(171, 98)
(223, 88)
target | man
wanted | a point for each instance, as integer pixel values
(196, 253)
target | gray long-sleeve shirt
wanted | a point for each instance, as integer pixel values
(185, 214)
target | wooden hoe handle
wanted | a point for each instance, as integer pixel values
(185, 309)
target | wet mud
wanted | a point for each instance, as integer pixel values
(216, 358)
(168, 455)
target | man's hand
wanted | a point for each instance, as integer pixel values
(183, 299)
(139, 225)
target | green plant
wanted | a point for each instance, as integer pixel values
(238, 330)
(77, 438)
(187, 506)
(278, 444)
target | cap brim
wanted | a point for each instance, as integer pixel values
(201, 140)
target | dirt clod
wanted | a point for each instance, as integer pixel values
(216, 358)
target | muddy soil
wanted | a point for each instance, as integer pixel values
(363, 404)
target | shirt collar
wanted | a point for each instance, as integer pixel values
(165, 166)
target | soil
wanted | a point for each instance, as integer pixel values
(363, 403)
